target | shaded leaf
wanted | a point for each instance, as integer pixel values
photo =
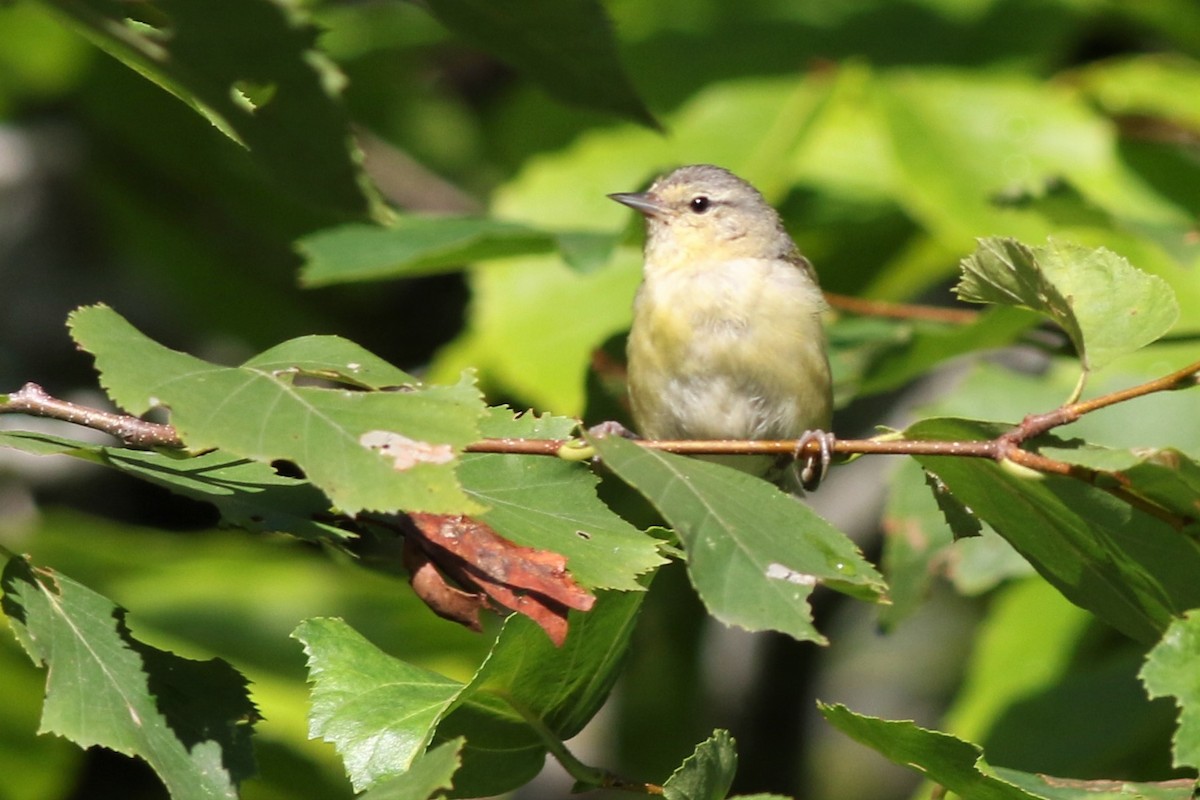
(1170, 669)
(425, 245)
(754, 553)
(429, 774)
(550, 503)
(1053, 788)
(1131, 569)
(526, 676)
(248, 494)
(190, 720)
(252, 69)
(566, 46)
(258, 411)
(378, 711)
(1105, 305)
(707, 773)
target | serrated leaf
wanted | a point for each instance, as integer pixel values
(754, 553)
(551, 504)
(429, 774)
(950, 762)
(1106, 306)
(566, 46)
(1132, 569)
(1052, 788)
(190, 720)
(378, 711)
(1170, 669)
(707, 773)
(249, 494)
(422, 246)
(378, 450)
(562, 687)
(272, 92)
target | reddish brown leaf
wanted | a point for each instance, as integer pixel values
(502, 561)
(531, 582)
(447, 601)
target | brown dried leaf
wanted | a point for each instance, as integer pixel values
(448, 602)
(531, 582)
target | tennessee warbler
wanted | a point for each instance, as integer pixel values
(727, 341)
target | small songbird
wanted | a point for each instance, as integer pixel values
(727, 340)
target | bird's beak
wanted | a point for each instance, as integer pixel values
(643, 202)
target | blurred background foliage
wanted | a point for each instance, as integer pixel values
(891, 135)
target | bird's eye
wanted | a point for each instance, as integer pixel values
(700, 204)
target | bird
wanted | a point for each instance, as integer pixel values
(727, 339)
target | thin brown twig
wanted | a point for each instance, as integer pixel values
(911, 311)
(32, 399)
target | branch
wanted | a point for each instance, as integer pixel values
(883, 308)
(33, 400)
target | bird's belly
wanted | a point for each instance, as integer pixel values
(744, 365)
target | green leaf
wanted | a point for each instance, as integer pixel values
(1145, 85)
(421, 246)
(527, 684)
(754, 553)
(251, 68)
(378, 711)
(430, 773)
(707, 773)
(190, 720)
(1106, 306)
(551, 504)
(249, 494)
(1170, 669)
(952, 763)
(566, 46)
(959, 767)
(340, 438)
(1130, 568)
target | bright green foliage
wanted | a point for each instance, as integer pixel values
(1107, 307)
(1170, 669)
(191, 721)
(707, 773)
(413, 246)
(891, 136)
(427, 776)
(268, 89)
(379, 711)
(754, 553)
(333, 434)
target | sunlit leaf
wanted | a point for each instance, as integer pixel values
(190, 720)
(551, 504)
(1170, 669)
(1106, 306)
(381, 450)
(429, 775)
(754, 553)
(380, 712)
(421, 246)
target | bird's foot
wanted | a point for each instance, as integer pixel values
(813, 467)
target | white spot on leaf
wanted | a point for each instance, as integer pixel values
(779, 572)
(406, 453)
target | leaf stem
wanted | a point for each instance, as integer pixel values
(584, 774)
